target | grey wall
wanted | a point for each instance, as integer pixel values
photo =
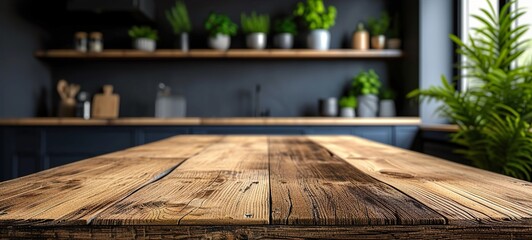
(24, 80)
(436, 51)
(221, 88)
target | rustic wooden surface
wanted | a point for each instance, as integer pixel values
(302, 121)
(241, 187)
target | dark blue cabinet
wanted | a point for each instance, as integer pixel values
(26, 150)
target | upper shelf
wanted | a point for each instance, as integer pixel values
(233, 53)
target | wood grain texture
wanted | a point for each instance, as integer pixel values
(241, 187)
(464, 195)
(76, 193)
(309, 186)
(225, 184)
(442, 232)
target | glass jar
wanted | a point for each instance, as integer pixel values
(80, 41)
(96, 42)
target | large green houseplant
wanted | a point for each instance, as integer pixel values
(494, 116)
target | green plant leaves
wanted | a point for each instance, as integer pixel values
(379, 26)
(366, 83)
(178, 18)
(493, 117)
(255, 23)
(315, 14)
(143, 32)
(220, 24)
(286, 25)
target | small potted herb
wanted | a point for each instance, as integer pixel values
(378, 28)
(256, 27)
(347, 106)
(220, 28)
(394, 40)
(387, 103)
(318, 19)
(144, 38)
(180, 21)
(285, 30)
(366, 86)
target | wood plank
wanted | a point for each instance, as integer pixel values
(464, 195)
(209, 53)
(76, 193)
(269, 232)
(225, 184)
(309, 186)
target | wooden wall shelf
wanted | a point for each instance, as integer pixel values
(234, 53)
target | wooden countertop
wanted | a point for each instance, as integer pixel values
(266, 186)
(210, 121)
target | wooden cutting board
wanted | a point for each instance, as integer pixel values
(106, 104)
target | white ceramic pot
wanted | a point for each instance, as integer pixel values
(284, 40)
(378, 42)
(368, 105)
(220, 42)
(347, 112)
(145, 44)
(184, 42)
(394, 43)
(256, 41)
(319, 39)
(387, 108)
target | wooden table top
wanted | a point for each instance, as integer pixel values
(265, 186)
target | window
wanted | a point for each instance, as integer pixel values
(526, 20)
(468, 8)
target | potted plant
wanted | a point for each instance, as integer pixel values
(366, 86)
(378, 28)
(494, 115)
(220, 28)
(394, 42)
(347, 106)
(256, 27)
(144, 38)
(318, 19)
(285, 30)
(387, 103)
(178, 18)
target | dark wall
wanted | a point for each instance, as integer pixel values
(221, 87)
(24, 80)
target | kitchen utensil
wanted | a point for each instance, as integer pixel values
(106, 104)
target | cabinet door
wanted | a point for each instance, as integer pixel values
(380, 134)
(57, 160)
(405, 136)
(250, 130)
(90, 141)
(27, 151)
(23, 164)
(156, 134)
(329, 130)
